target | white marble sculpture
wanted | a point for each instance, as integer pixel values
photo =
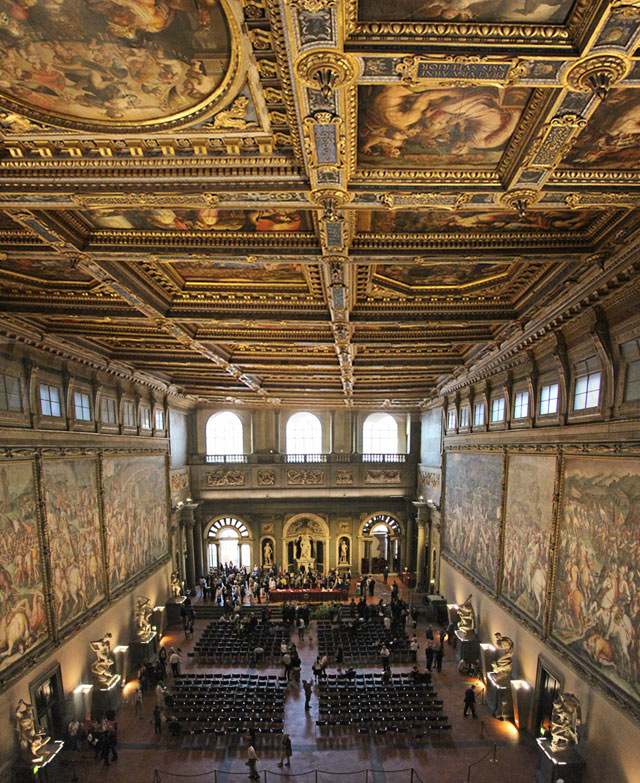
(305, 548)
(103, 664)
(143, 612)
(29, 736)
(504, 664)
(268, 554)
(466, 617)
(565, 719)
(344, 551)
(175, 587)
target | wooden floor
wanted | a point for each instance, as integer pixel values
(341, 756)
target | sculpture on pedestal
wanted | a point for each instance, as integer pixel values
(504, 664)
(175, 587)
(466, 617)
(344, 552)
(101, 667)
(267, 557)
(305, 548)
(29, 737)
(143, 612)
(565, 719)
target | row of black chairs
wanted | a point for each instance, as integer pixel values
(224, 643)
(361, 642)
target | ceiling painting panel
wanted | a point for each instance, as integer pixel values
(260, 220)
(551, 11)
(57, 270)
(105, 61)
(448, 127)
(611, 140)
(473, 221)
(449, 277)
(262, 273)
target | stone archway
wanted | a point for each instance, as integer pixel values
(306, 530)
(372, 559)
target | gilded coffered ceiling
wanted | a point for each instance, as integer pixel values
(324, 201)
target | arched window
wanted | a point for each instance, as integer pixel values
(225, 543)
(224, 436)
(304, 435)
(380, 434)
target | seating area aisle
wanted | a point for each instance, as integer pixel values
(225, 643)
(224, 704)
(361, 641)
(368, 703)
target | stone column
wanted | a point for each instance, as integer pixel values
(188, 522)
(197, 547)
(421, 524)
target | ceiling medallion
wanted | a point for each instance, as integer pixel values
(520, 199)
(326, 70)
(331, 200)
(597, 73)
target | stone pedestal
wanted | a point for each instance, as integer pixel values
(563, 765)
(467, 646)
(105, 697)
(488, 654)
(521, 694)
(437, 609)
(499, 699)
(142, 650)
(173, 607)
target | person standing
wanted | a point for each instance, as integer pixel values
(160, 695)
(386, 573)
(138, 702)
(308, 686)
(286, 751)
(157, 720)
(430, 651)
(252, 762)
(301, 627)
(385, 655)
(470, 701)
(174, 660)
(372, 587)
(72, 731)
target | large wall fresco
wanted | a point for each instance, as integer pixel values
(555, 11)
(597, 596)
(611, 140)
(473, 487)
(527, 529)
(23, 623)
(135, 515)
(73, 522)
(257, 220)
(113, 60)
(451, 127)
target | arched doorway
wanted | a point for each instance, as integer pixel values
(228, 541)
(305, 540)
(380, 544)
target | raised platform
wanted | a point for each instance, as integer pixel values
(308, 596)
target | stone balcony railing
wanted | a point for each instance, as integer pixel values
(281, 475)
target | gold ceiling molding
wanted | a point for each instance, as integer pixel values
(602, 68)
(554, 142)
(326, 70)
(520, 200)
(630, 8)
(451, 201)
(590, 200)
(312, 6)
(145, 199)
(418, 71)
(234, 117)
(324, 140)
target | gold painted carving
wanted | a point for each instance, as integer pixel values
(338, 195)
(146, 199)
(267, 69)
(417, 71)
(312, 6)
(580, 75)
(436, 200)
(521, 199)
(179, 481)
(326, 70)
(625, 7)
(226, 478)
(555, 141)
(301, 477)
(260, 39)
(234, 117)
(590, 200)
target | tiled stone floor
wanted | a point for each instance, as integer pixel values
(340, 757)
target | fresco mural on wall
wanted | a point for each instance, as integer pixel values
(597, 595)
(124, 60)
(553, 11)
(473, 487)
(611, 139)
(526, 534)
(23, 623)
(135, 515)
(474, 221)
(73, 522)
(254, 220)
(451, 127)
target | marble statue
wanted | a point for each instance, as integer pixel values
(504, 664)
(268, 554)
(143, 612)
(344, 551)
(176, 587)
(466, 616)
(101, 667)
(28, 736)
(565, 719)
(305, 548)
